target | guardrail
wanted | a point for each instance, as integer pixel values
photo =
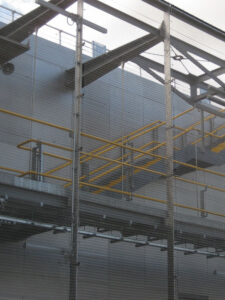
(59, 36)
(108, 146)
(62, 37)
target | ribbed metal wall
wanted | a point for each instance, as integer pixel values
(113, 106)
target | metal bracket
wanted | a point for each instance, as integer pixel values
(72, 16)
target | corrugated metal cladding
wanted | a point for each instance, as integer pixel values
(34, 263)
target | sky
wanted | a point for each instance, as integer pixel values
(211, 11)
(119, 32)
(208, 10)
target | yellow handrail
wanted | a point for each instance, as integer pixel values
(115, 167)
(212, 134)
(69, 130)
(11, 170)
(5, 111)
(45, 175)
(199, 130)
(21, 145)
(115, 191)
(137, 132)
(60, 167)
(139, 168)
(155, 127)
(211, 116)
(129, 137)
(158, 156)
(142, 128)
(151, 199)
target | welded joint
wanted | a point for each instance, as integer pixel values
(89, 236)
(190, 252)
(162, 30)
(168, 176)
(116, 241)
(56, 231)
(169, 81)
(170, 127)
(138, 245)
(164, 248)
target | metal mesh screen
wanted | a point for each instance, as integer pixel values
(123, 196)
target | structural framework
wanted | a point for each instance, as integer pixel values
(102, 196)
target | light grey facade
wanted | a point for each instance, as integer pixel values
(113, 106)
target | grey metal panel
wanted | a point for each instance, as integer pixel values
(110, 271)
(108, 212)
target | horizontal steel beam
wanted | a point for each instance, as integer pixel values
(10, 49)
(121, 15)
(187, 18)
(147, 62)
(217, 72)
(103, 212)
(144, 26)
(218, 91)
(24, 26)
(209, 95)
(210, 110)
(203, 96)
(12, 34)
(176, 43)
(188, 99)
(70, 15)
(180, 44)
(200, 66)
(112, 238)
(217, 100)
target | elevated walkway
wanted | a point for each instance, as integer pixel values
(185, 162)
(33, 207)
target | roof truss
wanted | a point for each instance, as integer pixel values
(215, 93)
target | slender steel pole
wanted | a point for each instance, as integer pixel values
(169, 161)
(75, 198)
(202, 130)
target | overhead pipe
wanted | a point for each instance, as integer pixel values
(65, 229)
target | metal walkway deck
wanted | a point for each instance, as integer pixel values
(30, 203)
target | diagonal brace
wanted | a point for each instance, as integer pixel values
(103, 64)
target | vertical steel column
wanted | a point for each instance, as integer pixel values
(169, 161)
(211, 128)
(202, 130)
(75, 198)
(37, 162)
(128, 170)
